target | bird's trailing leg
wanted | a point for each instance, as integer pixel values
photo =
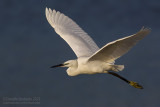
(134, 84)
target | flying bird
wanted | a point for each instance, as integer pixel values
(90, 58)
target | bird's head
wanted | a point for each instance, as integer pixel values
(69, 63)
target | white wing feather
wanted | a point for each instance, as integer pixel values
(77, 39)
(113, 50)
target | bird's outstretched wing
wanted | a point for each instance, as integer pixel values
(113, 50)
(78, 40)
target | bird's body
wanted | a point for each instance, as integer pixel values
(90, 58)
(83, 66)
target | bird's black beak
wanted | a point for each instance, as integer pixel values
(59, 65)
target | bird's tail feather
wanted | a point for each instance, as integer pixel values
(117, 68)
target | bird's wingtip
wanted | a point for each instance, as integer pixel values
(145, 28)
(50, 10)
(46, 9)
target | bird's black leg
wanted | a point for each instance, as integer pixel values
(134, 84)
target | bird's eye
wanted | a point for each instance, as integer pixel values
(66, 63)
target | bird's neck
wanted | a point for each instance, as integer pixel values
(72, 71)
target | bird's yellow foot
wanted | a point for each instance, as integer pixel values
(135, 84)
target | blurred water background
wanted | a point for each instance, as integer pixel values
(29, 46)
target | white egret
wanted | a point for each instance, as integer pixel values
(90, 58)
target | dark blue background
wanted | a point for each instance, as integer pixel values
(29, 46)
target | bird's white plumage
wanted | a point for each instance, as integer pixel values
(113, 50)
(91, 59)
(83, 45)
(78, 40)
